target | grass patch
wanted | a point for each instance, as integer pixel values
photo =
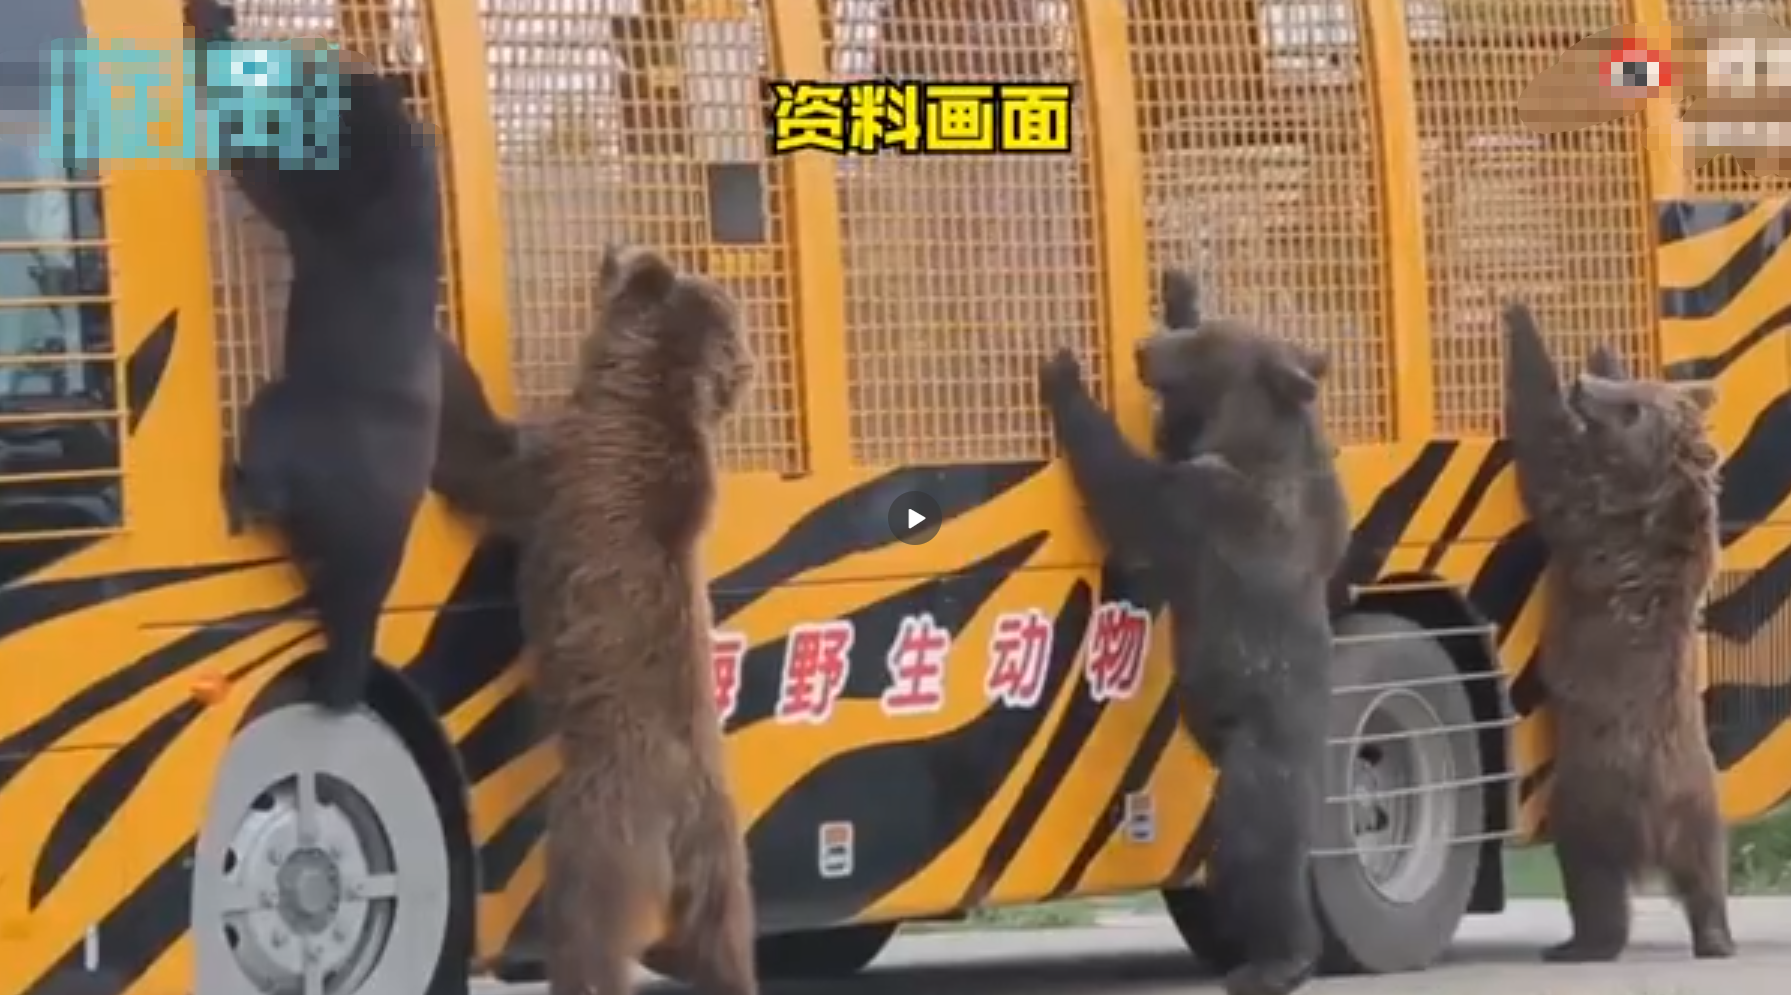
(1759, 862)
(1760, 855)
(1070, 914)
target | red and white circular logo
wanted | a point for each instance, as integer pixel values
(1634, 69)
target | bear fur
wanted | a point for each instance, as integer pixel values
(482, 459)
(1242, 537)
(1619, 478)
(642, 839)
(337, 452)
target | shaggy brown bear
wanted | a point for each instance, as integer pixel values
(642, 839)
(1620, 479)
(1242, 537)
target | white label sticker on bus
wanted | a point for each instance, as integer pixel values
(834, 858)
(1140, 817)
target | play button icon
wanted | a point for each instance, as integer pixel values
(914, 518)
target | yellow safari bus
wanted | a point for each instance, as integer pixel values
(917, 729)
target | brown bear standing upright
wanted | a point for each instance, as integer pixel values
(1620, 479)
(1242, 532)
(641, 832)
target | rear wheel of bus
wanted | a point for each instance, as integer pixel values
(323, 864)
(1398, 841)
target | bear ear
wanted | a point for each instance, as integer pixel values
(1316, 362)
(1607, 362)
(1700, 392)
(1288, 379)
(637, 273)
(1181, 300)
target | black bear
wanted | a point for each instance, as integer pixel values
(1619, 477)
(1242, 536)
(338, 451)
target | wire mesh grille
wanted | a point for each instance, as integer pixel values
(962, 271)
(1260, 177)
(1724, 178)
(1759, 663)
(251, 271)
(62, 425)
(645, 127)
(1562, 221)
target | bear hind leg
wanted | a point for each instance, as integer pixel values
(713, 926)
(1696, 858)
(1597, 892)
(1260, 864)
(600, 897)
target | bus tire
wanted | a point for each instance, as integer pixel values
(297, 870)
(1392, 876)
(837, 952)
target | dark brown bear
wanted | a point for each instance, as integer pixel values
(1242, 538)
(1620, 479)
(643, 843)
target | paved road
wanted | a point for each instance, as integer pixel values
(1494, 955)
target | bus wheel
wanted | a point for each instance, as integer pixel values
(823, 953)
(323, 863)
(1399, 839)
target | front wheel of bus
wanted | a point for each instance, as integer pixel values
(1399, 839)
(323, 864)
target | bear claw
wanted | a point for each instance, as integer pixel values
(1713, 946)
(1276, 978)
(1581, 952)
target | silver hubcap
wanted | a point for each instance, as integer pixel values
(322, 868)
(1401, 800)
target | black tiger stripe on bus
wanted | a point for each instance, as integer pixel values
(502, 855)
(1072, 732)
(1493, 463)
(1678, 220)
(33, 604)
(143, 371)
(857, 521)
(1385, 523)
(504, 734)
(1740, 717)
(1708, 299)
(952, 599)
(97, 800)
(1502, 585)
(1136, 777)
(475, 634)
(1064, 745)
(135, 934)
(949, 777)
(1756, 476)
(150, 669)
(1711, 367)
